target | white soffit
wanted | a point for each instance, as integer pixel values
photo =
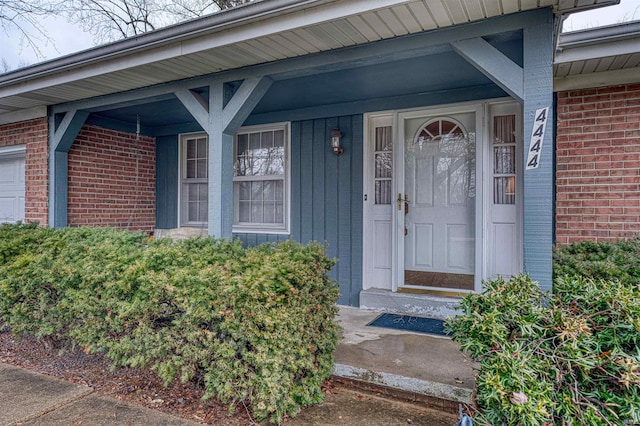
(259, 32)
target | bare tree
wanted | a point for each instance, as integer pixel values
(23, 17)
(110, 20)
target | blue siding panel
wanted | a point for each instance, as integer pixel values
(296, 136)
(306, 182)
(167, 182)
(326, 198)
(320, 144)
(357, 147)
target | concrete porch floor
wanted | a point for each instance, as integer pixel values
(406, 364)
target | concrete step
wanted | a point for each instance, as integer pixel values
(429, 305)
(403, 364)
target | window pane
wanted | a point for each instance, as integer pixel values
(202, 148)
(383, 192)
(279, 190)
(203, 192)
(267, 139)
(504, 161)
(244, 210)
(202, 168)
(193, 192)
(242, 144)
(256, 191)
(278, 138)
(193, 211)
(279, 213)
(256, 212)
(244, 191)
(191, 148)
(383, 165)
(383, 139)
(203, 213)
(269, 192)
(269, 211)
(504, 129)
(254, 141)
(504, 190)
(191, 169)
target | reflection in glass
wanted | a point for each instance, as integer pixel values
(383, 163)
(447, 155)
(504, 159)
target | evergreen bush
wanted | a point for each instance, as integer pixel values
(254, 325)
(571, 358)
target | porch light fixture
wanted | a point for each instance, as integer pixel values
(335, 141)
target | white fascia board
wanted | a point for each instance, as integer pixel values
(127, 54)
(612, 40)
(23, 115)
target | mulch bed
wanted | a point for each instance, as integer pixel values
(134, 385)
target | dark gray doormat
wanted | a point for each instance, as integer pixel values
(410, 323)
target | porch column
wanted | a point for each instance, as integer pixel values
(538, 181)
(221, 117)
(61, 137)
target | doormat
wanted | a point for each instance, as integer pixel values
(410, 323)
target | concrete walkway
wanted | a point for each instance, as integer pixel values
(429, 371)
(28, 398)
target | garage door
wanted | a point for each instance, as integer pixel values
(12, 184)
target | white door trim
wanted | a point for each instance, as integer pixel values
(484, 188)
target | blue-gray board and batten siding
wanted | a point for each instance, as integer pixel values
(326, 195)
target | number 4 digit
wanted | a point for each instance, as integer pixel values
(533, 162)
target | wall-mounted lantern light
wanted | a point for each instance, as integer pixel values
(335, 141)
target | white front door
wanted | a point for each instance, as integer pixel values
(437, 199)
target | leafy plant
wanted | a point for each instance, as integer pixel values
(569, 358)
(254, 325)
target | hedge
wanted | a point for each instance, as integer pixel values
(569, 358)
(255, 325)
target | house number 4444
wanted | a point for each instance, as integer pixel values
(537, 136)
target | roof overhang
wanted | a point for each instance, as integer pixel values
(260, 32)
(596, 57)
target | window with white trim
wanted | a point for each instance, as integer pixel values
(260, 179)
(194, 190)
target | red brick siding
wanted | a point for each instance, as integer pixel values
(33, 134)
(598, 164)
(103, 190)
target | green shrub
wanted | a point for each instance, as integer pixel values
(253, 325)
(571, 358)
(608, 260)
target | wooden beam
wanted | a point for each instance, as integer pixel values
(65, 133)
(61, 137)
(493, 64)
(243, 102)
(194, 103)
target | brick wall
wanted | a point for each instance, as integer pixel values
(598, 164)
(33, 134)
(103, 190)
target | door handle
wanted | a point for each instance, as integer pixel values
(400, 200)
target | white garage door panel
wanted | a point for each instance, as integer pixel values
(11, 189)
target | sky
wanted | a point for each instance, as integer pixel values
(66, 38)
